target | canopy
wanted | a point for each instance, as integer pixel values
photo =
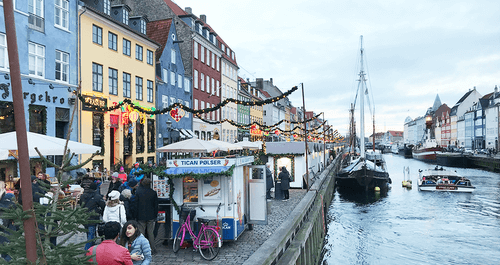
(189, 145)
(249, 145)
(47, 145)
(225, 146)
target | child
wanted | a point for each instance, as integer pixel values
(138, 246)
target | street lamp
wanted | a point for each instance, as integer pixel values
(169, 131)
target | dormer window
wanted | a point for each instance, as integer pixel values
(107, 7)
(125, 16)
(143, 27)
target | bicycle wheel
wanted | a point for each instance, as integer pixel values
(177, 240)
(209, 244)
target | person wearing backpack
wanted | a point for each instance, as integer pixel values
(95, 204)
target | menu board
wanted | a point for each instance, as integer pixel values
(161, 187)
(212, 188)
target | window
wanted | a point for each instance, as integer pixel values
(208, 83)
(172, 100)
(112, 41)
(126, 47)
(195, 104)
(195, 50)
(195, 79)
(36, 18)
(190, 188)
(138, 88)
(143, 27)
(179, 80)
(202, 79)
(172, 56)
(150, 57)
(36, 58)
(7, 124)
(97, 133)
(217, 65)
(186, 84)
(213, 61)
(37, 120)
(208, 57)
(113, 81)
(125, 17)
(96, 34)
(139, 137)
(4, 56)
(172, 78)
(150, 91)
(138, 52)
(164, 100)
(107, 7)
(217, 88)
(213, 86)
(186, 103)
(62, 66)
(202, 54)
(126, 85)
(61, 13)
(96, 77)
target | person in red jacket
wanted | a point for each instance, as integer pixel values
(108, 252)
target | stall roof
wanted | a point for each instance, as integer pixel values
(285, 147)
(291, 147)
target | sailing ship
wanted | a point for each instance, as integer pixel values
(362, 173)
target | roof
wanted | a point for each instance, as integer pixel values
(396, 133)
(464, 97)
(178, 11)
(159, 32)
(293, 110)
(265, 93)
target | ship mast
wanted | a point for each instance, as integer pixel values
(361, 89)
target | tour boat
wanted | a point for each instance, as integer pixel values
(440, 179)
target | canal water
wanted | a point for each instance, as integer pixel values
(407, 226)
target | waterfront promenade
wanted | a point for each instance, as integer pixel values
(232, 252)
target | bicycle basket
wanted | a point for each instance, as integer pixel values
(185, 211)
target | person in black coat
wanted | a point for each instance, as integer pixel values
(146, 210)
(269, 182)
(6, 201)
(285, 182)
(95, 204)
(114, 185)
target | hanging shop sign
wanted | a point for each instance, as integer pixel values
(216, 134)
(133, 116)
(93, 101)
(255, 130)
(177, 114)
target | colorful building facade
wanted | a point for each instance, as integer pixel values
(117, 64)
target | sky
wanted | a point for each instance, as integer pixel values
(414, 50)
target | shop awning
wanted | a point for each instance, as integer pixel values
(191, 133)
(195, 170)
(186, 133)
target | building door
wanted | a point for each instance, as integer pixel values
(112, 143)
(256, 200)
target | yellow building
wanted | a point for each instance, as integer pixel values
(256, 112)
(117, 62)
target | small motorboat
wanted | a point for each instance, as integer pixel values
(440, 179)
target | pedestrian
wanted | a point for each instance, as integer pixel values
(108, 252)
(146, 205)
(42, 178)
(114, 210)
(122, 175)
(135, 170)
(269, 182)
(126, 198)
(285, 182)
(94, 203)
(85, 181)
(114, 185)
(138, 246)
(6, 201)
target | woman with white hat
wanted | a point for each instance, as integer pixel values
(114, 210)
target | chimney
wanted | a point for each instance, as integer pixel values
(271, 79)
(259, 83)
(496, 89)
(189, 10)
(203, 18)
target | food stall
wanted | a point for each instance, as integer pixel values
(234, 182)
(292, 156)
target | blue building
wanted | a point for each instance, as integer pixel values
(172, 86)
(48, 56)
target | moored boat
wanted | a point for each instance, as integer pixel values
(440, 179)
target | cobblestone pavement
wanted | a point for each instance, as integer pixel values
(232, 252)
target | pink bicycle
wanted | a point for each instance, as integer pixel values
(208, 241)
